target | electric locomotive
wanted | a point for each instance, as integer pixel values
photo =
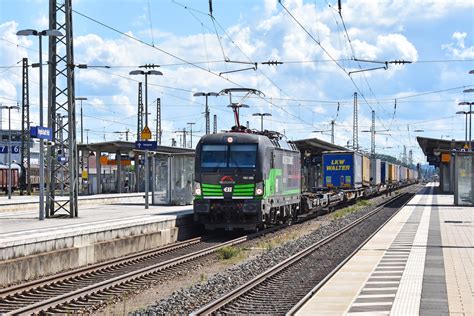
(246, 180)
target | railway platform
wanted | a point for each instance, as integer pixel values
(31, 202)
(420, 262)
(30, 248)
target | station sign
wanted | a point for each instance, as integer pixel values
(5, 149)
(445, 157)
(62, 159)
(103, 160)
(146, 145)
(146, 133)
(41, 132)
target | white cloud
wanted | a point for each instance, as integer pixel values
(270, 6)
(460, 37)
(390, 13)
(42, 22)
(458, 49)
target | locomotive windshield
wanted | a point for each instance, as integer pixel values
(229, 156)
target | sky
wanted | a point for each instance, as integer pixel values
(319, 48)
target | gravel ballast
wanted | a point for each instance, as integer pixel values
(187, 300)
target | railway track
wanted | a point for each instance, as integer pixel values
(278, 289)
(78, 290)
(86, 288)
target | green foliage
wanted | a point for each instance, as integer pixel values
(351, 209)
(228, 252)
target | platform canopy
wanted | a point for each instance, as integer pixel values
(316, 146)
(433, 147)
(124, 147)
(429, 145)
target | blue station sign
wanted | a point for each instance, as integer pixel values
(146, 145)
(41, 132)
(5, 149)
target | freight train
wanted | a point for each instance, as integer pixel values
(249, 180)
(16, 176)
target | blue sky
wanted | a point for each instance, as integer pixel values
(302, 94)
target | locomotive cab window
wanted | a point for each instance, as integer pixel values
(214, 156)
(243, 156)
(229, 156)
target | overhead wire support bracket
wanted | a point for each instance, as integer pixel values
(238, 70)
(369, 69)
(394, 62)
(255, 65)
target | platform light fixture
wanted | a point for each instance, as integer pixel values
(206, 111)
(147, 164)
(470, 121)
(261, 118)
(40, 34)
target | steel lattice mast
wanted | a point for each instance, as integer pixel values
(158, 121)
(372, 136)
(214, 128)
(61, 101)
(355, 130)
(25, 131)
(140, 111)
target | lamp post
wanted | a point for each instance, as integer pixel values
(470, 121)
(466, 113)
(40, 34)
(82, 141)
(82, 121)
(9, 108)
(146, 73)
(261, 118)
(147, 165)
(206, 112)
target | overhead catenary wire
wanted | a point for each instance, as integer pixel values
(151, 25)
(174, 56)
(215, 21)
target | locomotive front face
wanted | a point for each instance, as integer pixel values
(228, 190)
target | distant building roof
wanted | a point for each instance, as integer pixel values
(316, 146)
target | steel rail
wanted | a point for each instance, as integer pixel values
(53, 302)
(4, 292)
(231, 296)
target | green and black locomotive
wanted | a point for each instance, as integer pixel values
(246, 180)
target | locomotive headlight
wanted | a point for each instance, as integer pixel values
(197, 188)
(259, 189)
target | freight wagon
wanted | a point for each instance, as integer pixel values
(376, 172)
(4, 178)
(365, 171)
(384, 173)
(342, 169)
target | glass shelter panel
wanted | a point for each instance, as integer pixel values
(182, 178)
(160, 180)
(464, 182)
(172, 180)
